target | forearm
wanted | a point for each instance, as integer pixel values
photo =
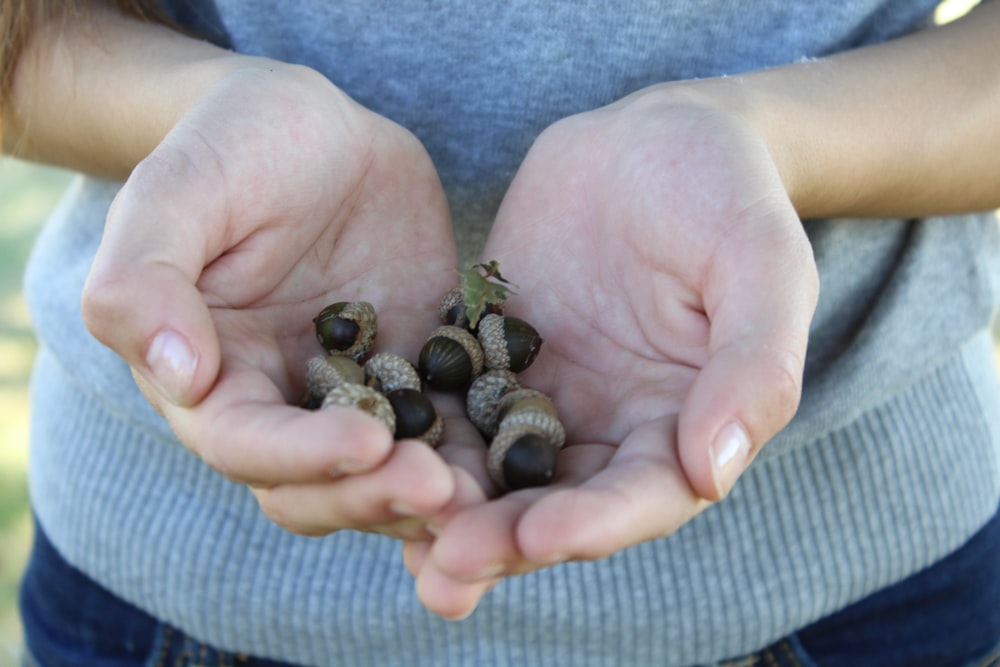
(906, 128)
(98, 91)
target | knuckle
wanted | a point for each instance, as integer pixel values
(101, 304)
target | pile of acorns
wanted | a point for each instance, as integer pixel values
(477, 351)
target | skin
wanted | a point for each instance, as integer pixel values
(685, 197)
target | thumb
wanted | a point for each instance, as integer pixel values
(760, 295)
(140, 298)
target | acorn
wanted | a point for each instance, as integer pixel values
(347, 328)
(482, 401)
(363, 398)
(520, 457)
(323, 373)
(450, 359)
(508, 342)
(387, 372)
(416, 416)
(452, 310)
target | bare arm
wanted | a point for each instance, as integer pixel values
(906, 128)
(96, 90)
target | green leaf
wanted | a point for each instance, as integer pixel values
(482, 285)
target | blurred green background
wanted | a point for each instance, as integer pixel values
(27, 194)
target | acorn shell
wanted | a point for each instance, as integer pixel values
(416, 416)
(363, 398)
(347, 328)
(482, 402)
(508, 342)
(387, 372)
(450, 359)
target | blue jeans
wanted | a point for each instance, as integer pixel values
(945, 616)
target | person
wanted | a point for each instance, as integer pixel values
(732, 226)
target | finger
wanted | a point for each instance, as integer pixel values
(245, 430)
(448, 598)
(760, 293)
(640, 495)
(412, 482)
(480, 541)
(140, 297)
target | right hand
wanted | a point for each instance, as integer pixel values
(274, 196)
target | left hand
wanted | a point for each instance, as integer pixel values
(665, 266)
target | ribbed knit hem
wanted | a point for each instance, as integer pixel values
(801, 535)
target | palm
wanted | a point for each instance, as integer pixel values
(662, 263)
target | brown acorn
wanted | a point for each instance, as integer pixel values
(529, 437)
(347, 328)
(416, 416)
(450, 359)
(508, 342)
(363, 398)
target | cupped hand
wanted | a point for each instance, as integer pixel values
(662, 261)
(274, 196)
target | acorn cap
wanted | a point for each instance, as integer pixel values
(387, 372)
(521, 457)
(482, 402)
(532, 408)
(363, 398)
(508, 342)
(347, 328)
(525, 397)
(323, 373)
(416, 416)
(450, 359)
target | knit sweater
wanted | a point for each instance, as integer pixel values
(892, 461)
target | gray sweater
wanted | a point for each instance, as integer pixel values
(892, 461)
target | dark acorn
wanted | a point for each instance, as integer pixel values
(335, 332)
(508, 342)
(415, 414)
(529, 461)
(347, 328)
(450, 359)
(445, 365)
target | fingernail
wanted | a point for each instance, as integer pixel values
(729, 457)
(173, 363)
